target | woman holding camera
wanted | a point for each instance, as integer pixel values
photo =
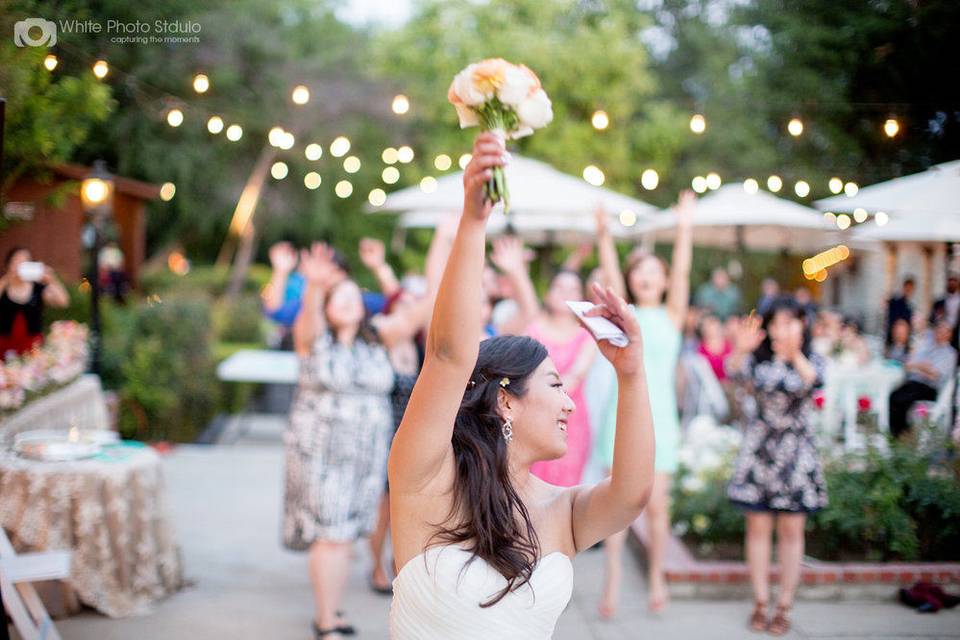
(26, 287)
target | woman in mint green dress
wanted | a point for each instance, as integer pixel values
(660, 296)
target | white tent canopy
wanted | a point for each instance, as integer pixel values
(921, 227)
(935, 191)
(761, 221)
(545, 204)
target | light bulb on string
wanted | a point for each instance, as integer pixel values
(600, 120)
(795, 127)
(234, 132)
(389, 155)
(279, 170)
(400, 104)
(405, 154)
(801, 188)
(215, 124)
(649, 179)
(428, 184)
(699, 184)
(698, 124)
(175, 117)
(751, 186)
(167, 191)
(442, 162)
(860, 214)
(836, 185)
(275, 136)
(201, 83)
(343, 189)
(628, 217)
(390, 175)
(312, 180)
(843, 221)
(851, 189)
(774, 184)
(351, 164)
(464, 160)
(287, 141)
(300, 95)
(593, 175)
(713, 181)
(377, 197)
(340, 146)
(891, 127)
(101, 69)
(50, 62)
(313, 151)
(881, 218)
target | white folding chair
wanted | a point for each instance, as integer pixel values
(20, 599)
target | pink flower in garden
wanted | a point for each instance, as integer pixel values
(922, 411)
(864, 404)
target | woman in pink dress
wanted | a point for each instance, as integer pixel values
(572, 349)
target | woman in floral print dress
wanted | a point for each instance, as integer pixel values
(777, 477)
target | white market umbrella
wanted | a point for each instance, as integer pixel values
(545, 204)
(730, 217)
(920, 227)
(935, 191)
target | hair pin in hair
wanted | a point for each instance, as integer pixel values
(471, 384)
(504, 382)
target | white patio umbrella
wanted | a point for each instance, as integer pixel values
(935, 191)
(730, 217)
(545, 204)
(920, 227)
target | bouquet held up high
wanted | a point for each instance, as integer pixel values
(504, 98)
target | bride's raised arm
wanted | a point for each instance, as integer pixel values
(422, 442)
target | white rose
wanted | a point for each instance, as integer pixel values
(464, 89)
(468, 117)
(536, 111)
(516, 86)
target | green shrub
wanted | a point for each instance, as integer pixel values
(201, 279)
(902, 504)
(239, 320)
(169, 390)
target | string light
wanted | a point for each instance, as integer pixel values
(343, 189)
(215, 124)
(851, 189)
(201, 83)
(774, 184)
(593, 175)
(825, 260)
(175, 117)
(628, 218)
(464, 160)
(389, 155)
(836, 185)
(830, 217)
(600, 120)
(50, 62)
(801, 188)
(891, 127)
(377, 197)
(351, 164)
(275, 136)
(428, 184)
(313, 151)
(698, 124)
(821, 276)
(340, 146)
(101, 69)
(405, 154)
(234, 132)
(881, 218)
(860, 214)
(167, 191)
(699, 184)
(795, 127)
(442, 162)
(843, 221)
(713, 181)
(279, 170)
(751, 186)
(401, 104)
(390, 175)
(649, 179)
(287, 141)
(300, 95)
(312, 180)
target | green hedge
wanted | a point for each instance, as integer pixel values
(903, 504)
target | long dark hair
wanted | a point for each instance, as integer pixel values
(783, 304)
(487, 512)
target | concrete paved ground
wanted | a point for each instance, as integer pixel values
(225, 501)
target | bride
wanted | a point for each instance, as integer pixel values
(484, 545)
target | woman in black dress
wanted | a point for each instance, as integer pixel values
(777, 478)
(22, 301)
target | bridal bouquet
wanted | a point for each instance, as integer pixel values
(504, 98)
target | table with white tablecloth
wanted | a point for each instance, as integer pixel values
(78, 404)
(110, 511)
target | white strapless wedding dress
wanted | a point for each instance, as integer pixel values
(437, 597)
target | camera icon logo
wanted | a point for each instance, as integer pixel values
(22, 33)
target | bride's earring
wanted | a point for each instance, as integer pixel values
(507, 430)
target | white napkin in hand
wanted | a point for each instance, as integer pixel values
(599, 327)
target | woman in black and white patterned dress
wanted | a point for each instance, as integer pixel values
(341, 423)
(777, 477)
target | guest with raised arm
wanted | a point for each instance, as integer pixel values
(340, 426)
(648, 279)
(485, 545)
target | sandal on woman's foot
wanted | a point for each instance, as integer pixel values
(344, 629)
(758, 619)
(780, 623)
(319, 633)
(383, 590)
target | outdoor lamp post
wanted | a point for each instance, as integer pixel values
(96, 193)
